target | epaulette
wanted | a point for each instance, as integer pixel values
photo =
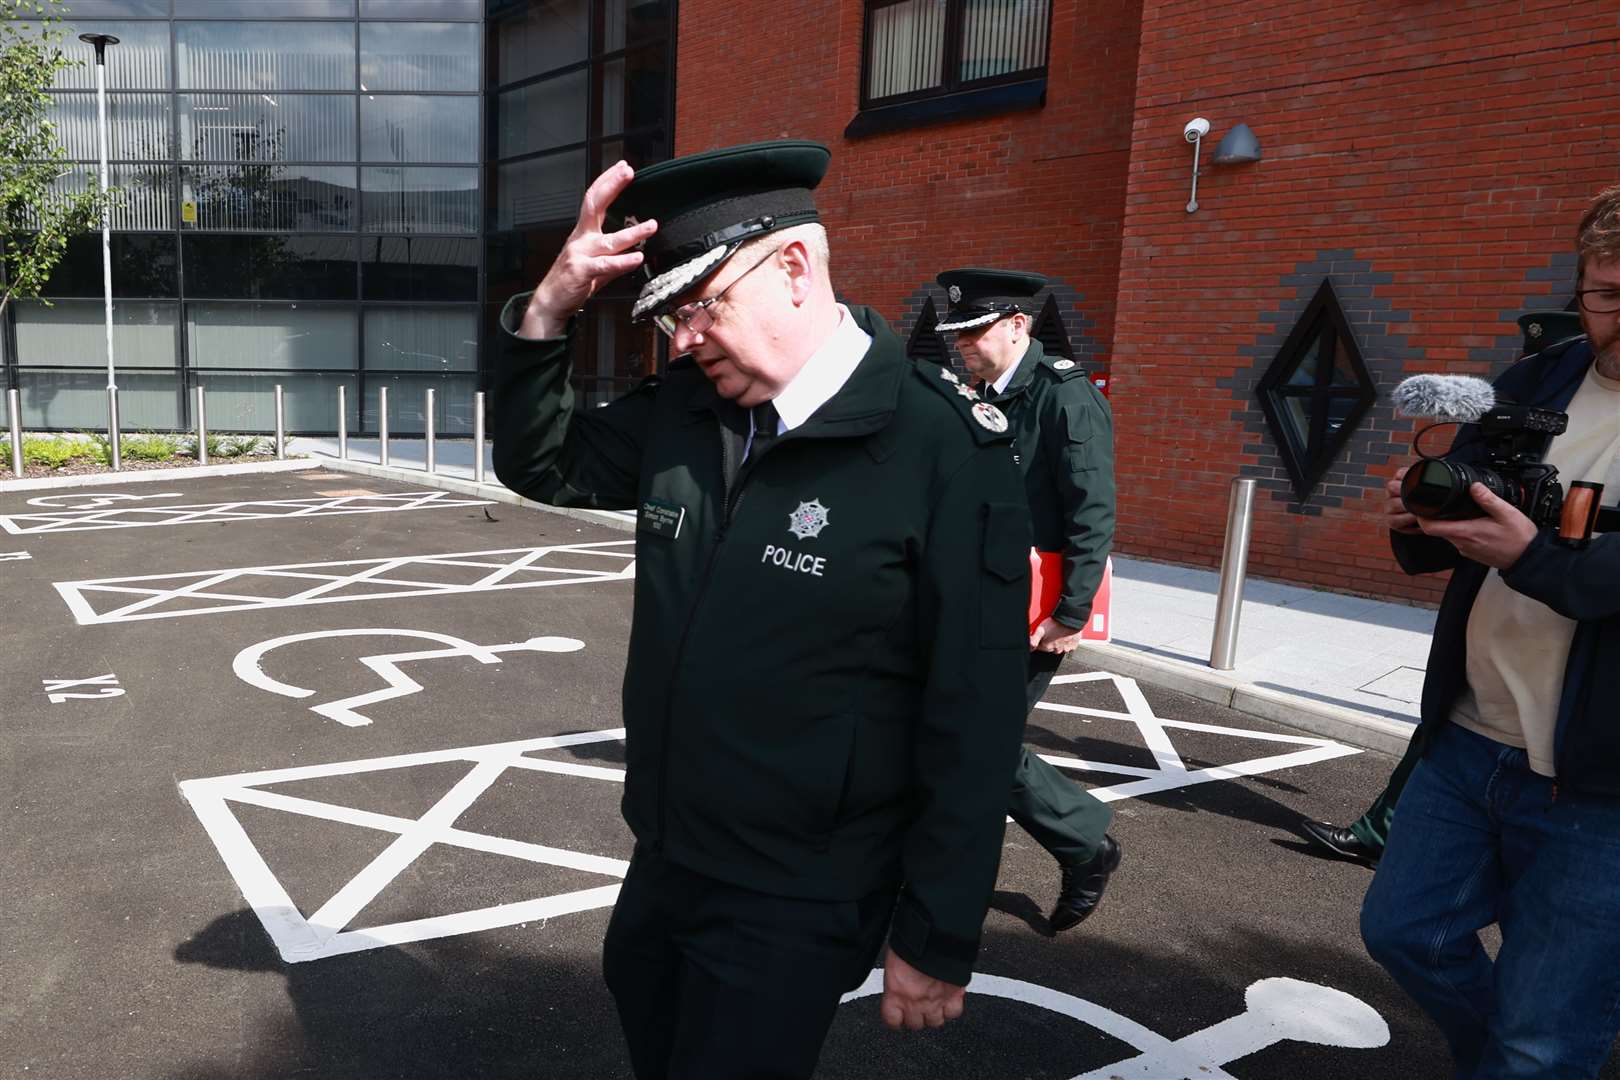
(1063, 367)
(988, 423)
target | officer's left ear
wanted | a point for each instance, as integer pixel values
(800, 267)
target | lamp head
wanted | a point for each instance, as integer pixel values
(1237, 147)
(1196, 129)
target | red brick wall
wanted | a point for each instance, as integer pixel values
(1041, 190)
(1432, 158)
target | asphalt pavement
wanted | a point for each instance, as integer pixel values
(315, 774)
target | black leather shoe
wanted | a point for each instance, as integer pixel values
(1341, 842)
(1083, 885)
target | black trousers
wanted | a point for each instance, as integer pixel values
(1063, 817)
(716, 982)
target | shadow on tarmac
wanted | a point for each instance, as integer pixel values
(450, 1007)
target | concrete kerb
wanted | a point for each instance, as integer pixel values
(146, 476)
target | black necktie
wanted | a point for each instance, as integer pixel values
(987, 391)
(765, 418)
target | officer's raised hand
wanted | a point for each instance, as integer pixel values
(914, 1000)
(590, 259)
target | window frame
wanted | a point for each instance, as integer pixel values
(951, 60)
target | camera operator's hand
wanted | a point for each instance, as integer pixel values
(589, 260)
(1497, 539)
(1396, 515)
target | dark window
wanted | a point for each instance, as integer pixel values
(545, 35)
(1315, 391)
(926, 48)
(543, 115)
(925, 342)
(1050, 331)
(412, 127)
(419, 268)
(270, 267)
(143, 264)
(632, 90)
(418, 56)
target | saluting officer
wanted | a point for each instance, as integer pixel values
(1063, 439)
(822, 712)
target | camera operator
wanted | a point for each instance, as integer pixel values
(1512, 815)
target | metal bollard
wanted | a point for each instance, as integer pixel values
(343, 423)
(14, 414)
(281, 426)
(382, 425)
(428, 431)
(202, 428)
(478, 437)
(1234, 563)
(115, 436)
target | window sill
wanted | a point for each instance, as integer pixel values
(987, 101)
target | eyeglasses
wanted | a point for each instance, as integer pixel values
(1604, 301)
(697, 316)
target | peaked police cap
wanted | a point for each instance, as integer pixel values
(707, 205)
(979, 296)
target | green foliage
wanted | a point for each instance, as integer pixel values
(49, 452)
(150, 446)
(36, 216)
(221, 447)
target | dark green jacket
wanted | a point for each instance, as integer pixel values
(815, 716)
(1063, 438)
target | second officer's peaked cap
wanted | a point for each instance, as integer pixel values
(979, 296)
(707, 205)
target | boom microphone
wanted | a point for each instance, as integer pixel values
(1452, 398)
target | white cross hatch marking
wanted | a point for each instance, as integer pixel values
(141, 517)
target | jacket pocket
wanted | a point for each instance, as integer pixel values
(1004, 577)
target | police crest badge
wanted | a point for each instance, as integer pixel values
(808, 520)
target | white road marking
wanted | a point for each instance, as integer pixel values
(1278, 1010)
(249, 666)
(507, 568)
(90, 500)
(139, 517)
(107, 684)
(14, 556)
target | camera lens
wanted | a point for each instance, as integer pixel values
(1439, 489)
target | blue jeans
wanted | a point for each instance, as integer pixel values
(1478, 838)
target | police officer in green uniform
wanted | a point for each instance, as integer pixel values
(1063, 439)
(822, 710)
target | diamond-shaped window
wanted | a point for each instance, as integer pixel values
(1316, 391)
(1050, 331)
(924, 342)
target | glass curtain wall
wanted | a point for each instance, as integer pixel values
(573, 86)
(301, 205)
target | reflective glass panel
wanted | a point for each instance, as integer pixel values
(1000, 37)
(634, 89)
(270, 267)
(145, 193)
(245, 401)
(140, 60)
(284, 337)
(265, 56)
(640, 149)
(419, 268)
(267, 127)
(906, 48)
(1304, 372)
(546, 35)
(305, 198)
(137, 126)
(95, 8)
(74, 400)
(418, 128)
(422, 200)
(625, 22)
(143, 264)
(421, 339)
(543, 115)
(259, 9)
(541, 190)
(421, 9)
(73, 333)
(419, 56)
(452, 406)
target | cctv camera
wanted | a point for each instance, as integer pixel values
(1196, 129)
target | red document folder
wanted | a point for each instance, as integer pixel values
(1046, 586)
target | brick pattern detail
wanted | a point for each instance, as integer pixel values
(1359, 468)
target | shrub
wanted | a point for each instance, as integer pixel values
(52, 453)
(150, 446)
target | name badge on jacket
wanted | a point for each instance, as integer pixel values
(660, 518)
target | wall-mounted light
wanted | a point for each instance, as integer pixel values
(1194, 133)
(1238, 147)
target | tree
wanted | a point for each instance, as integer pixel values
(36, 217)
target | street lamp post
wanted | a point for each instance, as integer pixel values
(101, 41)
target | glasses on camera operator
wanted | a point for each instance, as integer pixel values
(1511, 813)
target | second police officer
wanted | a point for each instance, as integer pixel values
(1064, 445)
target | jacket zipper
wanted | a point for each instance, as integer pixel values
(731, 499)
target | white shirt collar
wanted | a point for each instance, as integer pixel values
(824, 374)
(1006, 376)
